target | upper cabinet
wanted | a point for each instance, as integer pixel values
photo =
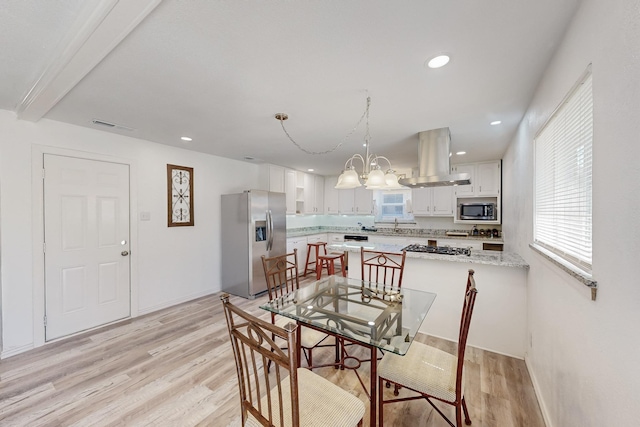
(331, 196)
(290, 185)
(485, 187)
(357, 201)
(276, 178)
(363, 201)
(313, 194)
(304, 192)
(485, 179)
(434, 201)
(489, 178)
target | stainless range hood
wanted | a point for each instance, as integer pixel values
(433, 162)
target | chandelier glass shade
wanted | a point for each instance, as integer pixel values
(373, 175)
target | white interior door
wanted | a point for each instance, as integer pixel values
(86, 230)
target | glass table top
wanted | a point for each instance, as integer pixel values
(371, 313)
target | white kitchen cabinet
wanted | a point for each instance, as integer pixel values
(300, 192)
(335, 238)
(346, 202)
(465, 190)
(488, 176)
(319, 194)
(363, 201)
(420, 201)
(290, 184)
(485, 179)
(276, 178)
(299, 243)
(331, 196)
(315, 238)
(357, 201)
(313, 194)
(433, 201)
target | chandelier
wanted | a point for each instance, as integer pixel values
(372, 173)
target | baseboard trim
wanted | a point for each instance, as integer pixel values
(536, 389)
(15, 351)
(143, 311)
(477, 346)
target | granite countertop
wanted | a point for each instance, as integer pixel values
(389, 232)
(498, 258)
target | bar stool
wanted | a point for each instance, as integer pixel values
(329, 261)
(316, 246)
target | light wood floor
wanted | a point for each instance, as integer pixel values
(175, 368)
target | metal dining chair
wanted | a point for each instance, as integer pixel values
(291, 396)
(382, 267)
(282, 277)
(431, 372)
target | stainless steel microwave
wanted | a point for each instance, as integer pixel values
(478, 211)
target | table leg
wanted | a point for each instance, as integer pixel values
(374, 387)
(298, 344)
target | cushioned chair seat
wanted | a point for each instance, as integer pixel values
(310, 337)
(424, 369)
(322, 403)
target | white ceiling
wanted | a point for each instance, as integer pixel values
(218, 71)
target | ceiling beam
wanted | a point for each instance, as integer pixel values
(95, 33)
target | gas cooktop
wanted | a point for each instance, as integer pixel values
(443, 250)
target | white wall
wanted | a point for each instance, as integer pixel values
(584, 357)
(173, 264)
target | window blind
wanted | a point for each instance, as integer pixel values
(562, 175)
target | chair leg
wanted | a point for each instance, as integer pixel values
(306, 262)
(331, 267)
(467, 420)
(458, 415)
(380, 402)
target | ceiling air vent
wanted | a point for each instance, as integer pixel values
(110, 125)
(101, 123)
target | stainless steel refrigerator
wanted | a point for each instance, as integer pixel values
(254, 223)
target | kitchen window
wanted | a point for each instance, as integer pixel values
(392, 206)
(563, 180)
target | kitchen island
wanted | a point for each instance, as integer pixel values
(499, 318)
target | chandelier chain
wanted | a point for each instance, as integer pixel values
(367, 135)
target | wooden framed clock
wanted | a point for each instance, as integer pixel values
(179, 196)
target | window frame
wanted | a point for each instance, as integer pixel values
(407, 216)
(576, 252)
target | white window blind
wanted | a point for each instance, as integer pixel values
(563, 159)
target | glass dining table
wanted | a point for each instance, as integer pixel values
(369, 314)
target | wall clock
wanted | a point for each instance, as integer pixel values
(179, 195)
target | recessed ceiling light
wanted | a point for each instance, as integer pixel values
(186, 138)
(309, 170)
(496, 122)
(438, 61)
(461, 153)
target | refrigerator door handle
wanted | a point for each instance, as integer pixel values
(269, 230)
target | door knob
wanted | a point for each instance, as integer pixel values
(124, 253)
